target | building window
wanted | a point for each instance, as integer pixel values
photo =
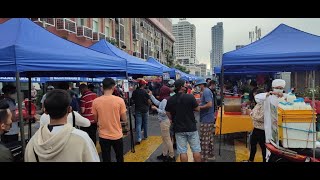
(95, 24)
(106, 27)
(121, 29)
(81, 22)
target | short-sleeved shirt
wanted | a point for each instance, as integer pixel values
(181, 107)
(86, 103)
(140, 98)
(207, 115)
(108, 109)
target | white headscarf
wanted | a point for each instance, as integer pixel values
(259, 98)
(278, 82)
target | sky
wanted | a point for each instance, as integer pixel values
(236, 31)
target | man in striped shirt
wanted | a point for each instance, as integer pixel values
(86, 108)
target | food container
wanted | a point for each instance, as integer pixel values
(232, 105)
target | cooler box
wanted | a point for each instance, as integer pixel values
(296, 128)
(232, 105)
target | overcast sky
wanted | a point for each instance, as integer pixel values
(236, 31)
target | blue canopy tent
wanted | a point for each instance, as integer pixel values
(135, 66)
(27, 49)
(185, 76)
(165, 68)
(284, 49)
(51, 79)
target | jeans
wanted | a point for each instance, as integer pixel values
(141, 119)
(183, 138)
(106, 144)
(92, 132)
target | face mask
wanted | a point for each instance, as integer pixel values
(278, 90)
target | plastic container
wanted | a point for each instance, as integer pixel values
(232, 104)
(291, 97)
(296, 128)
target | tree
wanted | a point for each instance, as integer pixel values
(169, 58)
(182, 68)
(113, 42)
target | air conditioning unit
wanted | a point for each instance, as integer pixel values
(95, 36)
(102, 36)
(66, 24)
(83, 31)
(48, 21)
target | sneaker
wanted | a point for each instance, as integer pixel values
(161, 157)
(138, 143)
(212, 158)
(171, 159)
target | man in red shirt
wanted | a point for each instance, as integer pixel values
(86, 108)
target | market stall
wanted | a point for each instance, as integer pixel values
(285, 49)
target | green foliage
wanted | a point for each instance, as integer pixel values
(182, 68)
(308, 93)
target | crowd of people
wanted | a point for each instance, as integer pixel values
(69, 122)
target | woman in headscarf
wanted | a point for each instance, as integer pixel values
(164, 95)
(258, 134)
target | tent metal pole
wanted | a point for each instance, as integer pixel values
(29, 97)
(23, 142)
(221, 113)
(313, 115)
(130, 119)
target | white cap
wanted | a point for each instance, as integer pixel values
(278, 82)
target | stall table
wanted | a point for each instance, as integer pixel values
(233, 123)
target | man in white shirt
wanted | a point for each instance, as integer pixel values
(273, 97)
(59, 141)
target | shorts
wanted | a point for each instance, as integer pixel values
(183, 138)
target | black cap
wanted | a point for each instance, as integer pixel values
(179, 83)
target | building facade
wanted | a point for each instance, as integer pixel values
(141, 37)
(203, 69)
(194, 69)
(217, 45)
(185, 44)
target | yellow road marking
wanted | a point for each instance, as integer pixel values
(144, 150)
(243, 153)
(189, 153)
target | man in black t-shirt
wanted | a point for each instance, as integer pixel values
(180, 108)
(142, 101)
